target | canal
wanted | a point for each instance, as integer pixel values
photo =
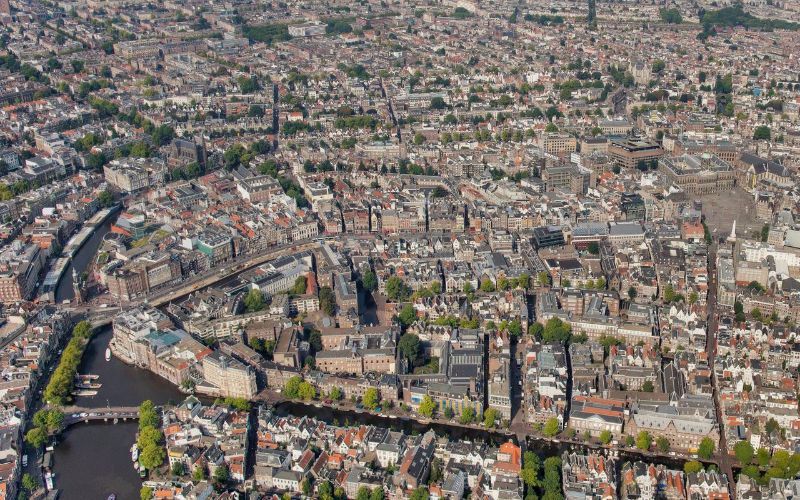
(93, 460)
(81, 262)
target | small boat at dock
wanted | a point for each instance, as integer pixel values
(84, 392)
(108, 354)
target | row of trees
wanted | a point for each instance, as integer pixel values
(428, 408)
(762, 466)
(59, 389)
(150, 438)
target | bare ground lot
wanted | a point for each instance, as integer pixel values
(721, 209)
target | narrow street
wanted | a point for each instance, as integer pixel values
(723, 456)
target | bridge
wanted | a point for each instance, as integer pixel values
(76, 414)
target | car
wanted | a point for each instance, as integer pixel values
(84, 414)
(24, 460)
(378, 409)
(76, 415)
(328, 401)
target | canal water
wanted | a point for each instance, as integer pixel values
(81, 261)
(93, 460)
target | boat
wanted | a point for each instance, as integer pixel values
(112, 497)
(142, 472)
(108, 354)
(134, 453)
(86, 385)
(136, 465)
(48, 481)
(84, 392)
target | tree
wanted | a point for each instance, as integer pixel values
(669, 293)
(370, 398)
(397, 290)
(300, 286)
(551, 427)
(152, 456)
(221, 474)
(327, 300)
(335, 394)
(467, 415)
(105, 198)
(556, 330)
(145, 493)
(306, 487)
(490, 417)
(738, 309)
(407, 315)
(762, 457)
(692, 467)
(369, 281)
(419, 139)
(325, 490)
(427, 407)
(306, 391)
(706, 448)
(606, 437)
(29, 483)
(632, 293)
(543, 278)
(765, 232)
(644, 440)
(524, 280)
(254, 300)
(420, 493)
(593, 248)
(530, 469)
(436, 474)
(199, 473)
(762, 133)
(177, 469)
(648, 386)
(670, 16)
(487, 285)
(663, 444)
(377, 493)
(536, 330)
(409, 347)
(363, 493)
(744, 452)
(292, 387)
(438, 103)
(36, 437)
